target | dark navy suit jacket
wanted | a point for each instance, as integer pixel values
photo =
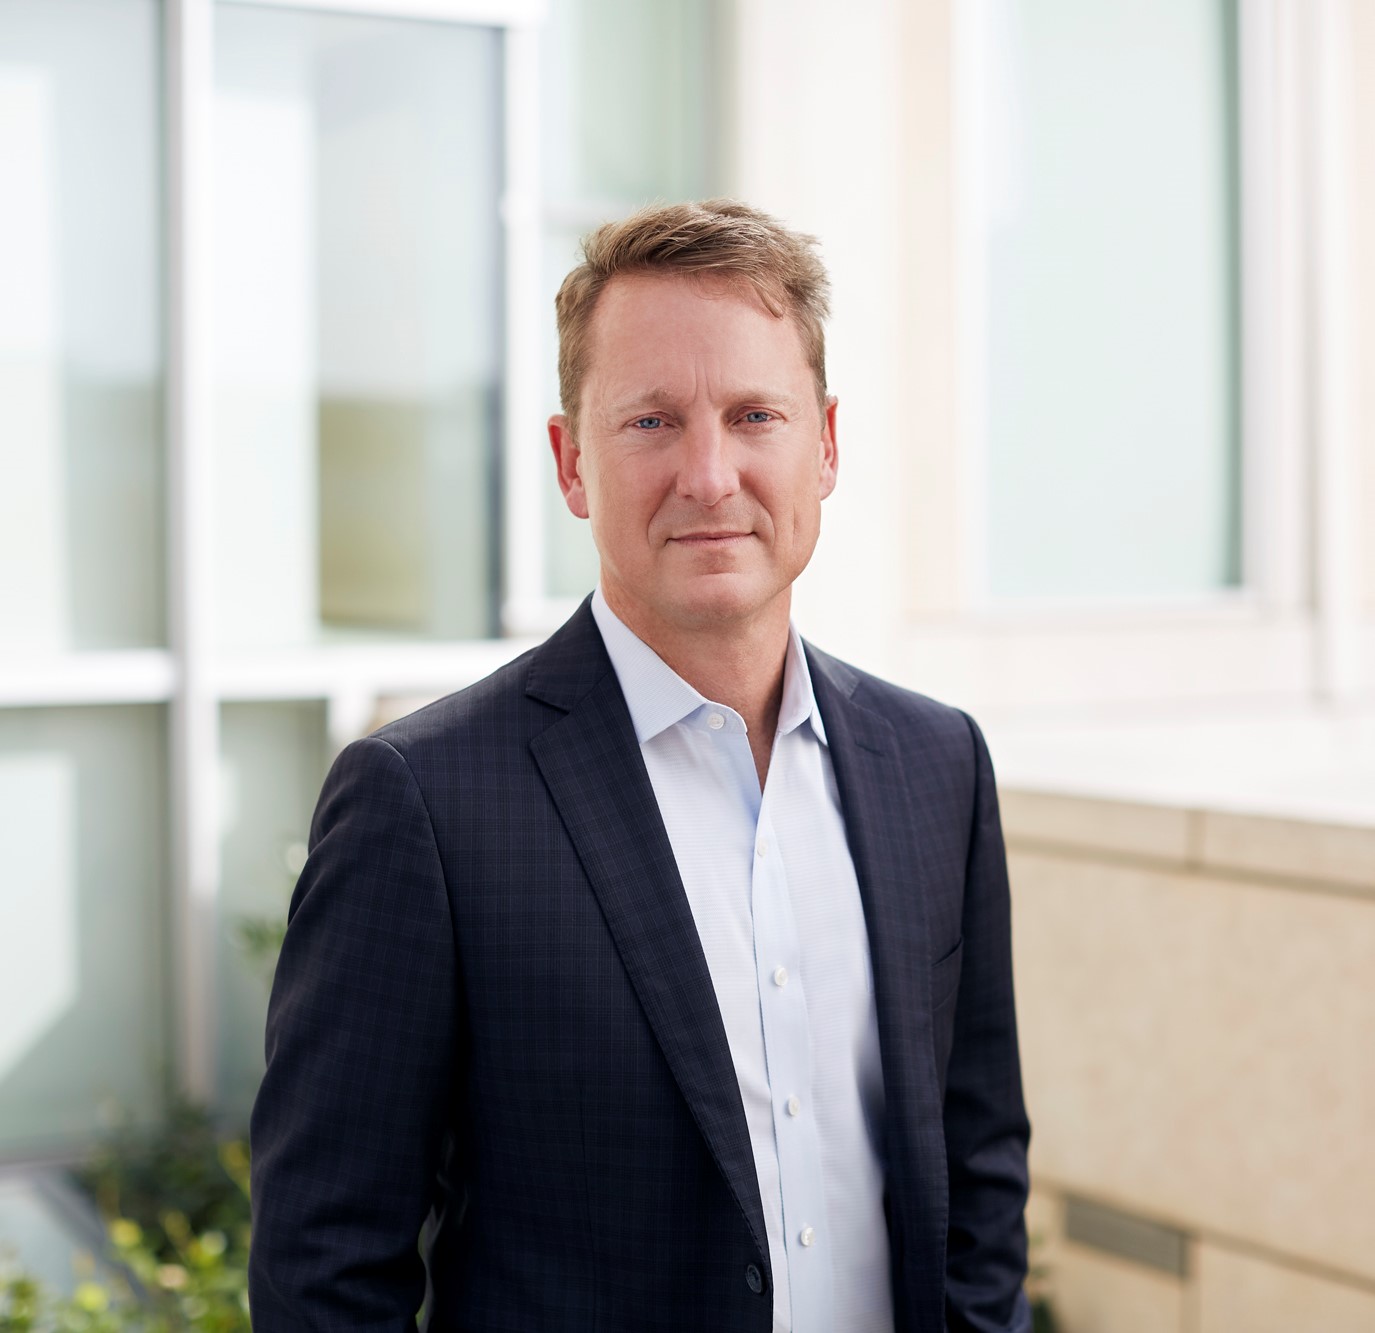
(492, 1009)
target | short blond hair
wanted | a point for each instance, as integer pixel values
(717, 238)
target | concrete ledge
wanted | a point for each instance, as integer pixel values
(1294, 849)
(1116, 828)
(1298, 852)
(1242, 1291)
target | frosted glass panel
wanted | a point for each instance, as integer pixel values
(1109, 182)
(83, 900)
(628, 114)
(273, 761)
(358, 326)
(81, 542)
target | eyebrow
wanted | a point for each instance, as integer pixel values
(665, 397)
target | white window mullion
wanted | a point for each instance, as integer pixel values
(194, 731)
(1275, 302)
(524, 457)
(1271, 520)
(484, 13)
(1335, 550)
(113, 677)
(969, 42)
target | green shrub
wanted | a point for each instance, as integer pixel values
(175, 1204)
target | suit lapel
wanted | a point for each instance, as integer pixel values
(596, 776)
(887, 838)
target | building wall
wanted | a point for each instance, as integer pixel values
(867, 150)
(1195, 1016)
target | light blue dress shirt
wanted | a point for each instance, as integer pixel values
(773, 892)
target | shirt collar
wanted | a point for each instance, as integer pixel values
(658, 697)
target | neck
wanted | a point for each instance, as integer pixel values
(737, 663)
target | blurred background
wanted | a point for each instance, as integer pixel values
(276, 351)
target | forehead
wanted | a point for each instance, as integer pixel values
(662, 328)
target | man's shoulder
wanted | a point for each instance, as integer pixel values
(514, 702)
(876, 692)
(496, 698)
(917, 718)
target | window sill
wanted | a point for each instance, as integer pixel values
(1286, 795)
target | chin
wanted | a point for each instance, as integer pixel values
(722, 600)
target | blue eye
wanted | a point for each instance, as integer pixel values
(758, 418)
(650, 423)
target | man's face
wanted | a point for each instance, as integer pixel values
(703, 454)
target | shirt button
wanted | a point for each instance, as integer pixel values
(761, 847)
(780, 975)
(794, 1105)
(715, 721)
(807, 1235)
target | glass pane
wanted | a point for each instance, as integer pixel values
(358, 330)
(627, 115)
(273, 761)
(45, 1222)
(81, 533)
(1112, 250)
(83, 900)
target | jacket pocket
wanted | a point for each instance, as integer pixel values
(945, 977)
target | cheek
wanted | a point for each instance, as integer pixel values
(805, 519)
(807, 522)
(638, 495)
(803, 506)
(623, 505)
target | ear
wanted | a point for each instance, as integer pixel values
(568, 460)
(829, 458)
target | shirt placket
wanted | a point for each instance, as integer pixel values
(787, 1047)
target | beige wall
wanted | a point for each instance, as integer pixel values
(1196, 1016)
(1221, 1289)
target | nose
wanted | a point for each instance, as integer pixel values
(707, 470)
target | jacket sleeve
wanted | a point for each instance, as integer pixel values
(986, 1128)
(362, 1029)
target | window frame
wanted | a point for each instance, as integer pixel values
(348, 677)
(1264, 638)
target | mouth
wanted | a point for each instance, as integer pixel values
(709, 538)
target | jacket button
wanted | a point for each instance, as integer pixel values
(754, 1279)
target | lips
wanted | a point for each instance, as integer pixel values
(708, 537)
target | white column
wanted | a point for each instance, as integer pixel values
(1335, 547)
(525, 452)
(194, 731)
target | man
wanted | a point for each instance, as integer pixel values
(667, 969)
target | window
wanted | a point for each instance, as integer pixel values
(1105, 253)
(357, 269)
(83, 834)
(81, 355)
